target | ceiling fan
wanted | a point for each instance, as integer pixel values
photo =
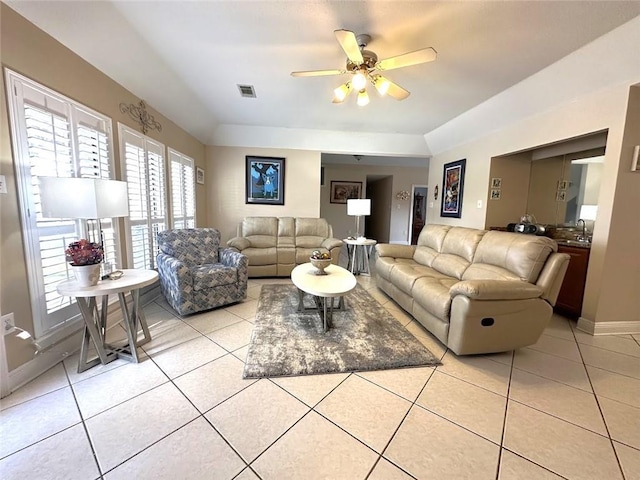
(364, 65)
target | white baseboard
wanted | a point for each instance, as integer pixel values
(55, 353)
(608, 328)
(44, 361)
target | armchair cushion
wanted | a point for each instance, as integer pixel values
(213, 275)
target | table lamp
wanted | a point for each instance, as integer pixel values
(357, 207)
(84, 198)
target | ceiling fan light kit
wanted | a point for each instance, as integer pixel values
(363, 98)
(363, 65)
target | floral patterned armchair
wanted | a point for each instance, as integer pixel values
(195, 274)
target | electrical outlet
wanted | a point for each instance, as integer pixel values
(8, 323)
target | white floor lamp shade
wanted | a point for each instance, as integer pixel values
(357, 207)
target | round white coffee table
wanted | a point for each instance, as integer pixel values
(324, 289)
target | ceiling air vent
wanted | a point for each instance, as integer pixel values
(247, 91)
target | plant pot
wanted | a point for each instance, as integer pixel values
(86, 275)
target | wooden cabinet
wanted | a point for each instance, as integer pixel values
(569, 301)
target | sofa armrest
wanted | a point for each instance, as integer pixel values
(496, 290)
(395, 251)
(239, 243)
(331, 243)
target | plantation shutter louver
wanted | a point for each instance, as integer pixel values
(183, 205)
(143, 164)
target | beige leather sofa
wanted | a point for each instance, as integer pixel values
(477, 291)
(276, 245)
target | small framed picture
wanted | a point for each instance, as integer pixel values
(561, 196)
(496, 183)
(341, 191)
(495, 194)
(563, 184)
(200, 175)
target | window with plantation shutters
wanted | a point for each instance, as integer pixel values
(143, 165)
(55, 136)
(183, 190)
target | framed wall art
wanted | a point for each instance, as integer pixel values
(200, 175)
(264, 182)
(452, 189)
(495, 194)
(342, 191)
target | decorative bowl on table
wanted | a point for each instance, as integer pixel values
(320, 264)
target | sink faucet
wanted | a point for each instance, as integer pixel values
(583, 237)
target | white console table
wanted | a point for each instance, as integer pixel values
(95, 319)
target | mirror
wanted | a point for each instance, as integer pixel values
(564, 188)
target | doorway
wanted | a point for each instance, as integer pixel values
(378, 224)
(418, 211)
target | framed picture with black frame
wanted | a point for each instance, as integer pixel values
(452, 189)
(264, 182)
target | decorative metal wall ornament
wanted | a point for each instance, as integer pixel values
(403, 195)
(139, 114)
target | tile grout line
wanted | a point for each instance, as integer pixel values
(413, 404)
(504, 418)
(604, 420)
(84, 425)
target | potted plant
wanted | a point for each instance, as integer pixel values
(85, 258)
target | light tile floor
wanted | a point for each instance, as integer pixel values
(567, 407)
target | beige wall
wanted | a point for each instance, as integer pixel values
(514, 171)
(605, 109)
(31, 52)
(543, 187)
(620, 277)
(403, 179)
(225, 180)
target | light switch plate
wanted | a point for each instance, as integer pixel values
(479, 203)
(3, 184)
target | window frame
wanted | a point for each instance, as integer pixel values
(72, 112)
(123, 132)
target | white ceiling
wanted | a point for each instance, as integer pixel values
(186, 58)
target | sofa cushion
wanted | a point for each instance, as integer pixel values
(384, 265)
(213, 275)
(312, 227)
(523, 255)
(260, 231)
(432, 236)
(261, 256)
(458, 249)
(432, 294)
(405, 275)
(286, 232)
(309, 241)
(485, 271)
(425, 255)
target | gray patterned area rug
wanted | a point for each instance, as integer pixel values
(365, 337)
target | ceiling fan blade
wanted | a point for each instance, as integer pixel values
(396, 91)
(349, 44)
(407, 59)
(317, 73)
(387, 87)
